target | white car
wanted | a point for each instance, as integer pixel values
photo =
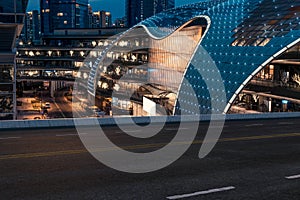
(47, 105)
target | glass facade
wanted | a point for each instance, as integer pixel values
(12, 11)
(242, 38)
(140, 66)
(275, 88)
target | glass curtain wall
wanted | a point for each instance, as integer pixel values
(139, 66)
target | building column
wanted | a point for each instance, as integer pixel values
(15, 90)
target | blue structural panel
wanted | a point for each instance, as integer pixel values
(242, 37)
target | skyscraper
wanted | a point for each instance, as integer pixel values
(56, 14)
(100, 19)
(31, 30)
(138, 10)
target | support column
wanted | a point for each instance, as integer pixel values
(15, 90)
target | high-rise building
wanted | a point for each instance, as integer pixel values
(31, 30)
(11, 23)
(57, 14)
(100, 19)
(120, 22)
(139, 10)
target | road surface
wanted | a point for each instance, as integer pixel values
(63, 106)
(255, 159)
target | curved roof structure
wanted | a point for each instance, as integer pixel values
(241, 38)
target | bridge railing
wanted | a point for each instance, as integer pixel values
(110, 121)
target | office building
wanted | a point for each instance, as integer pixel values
(100, 19)
(55, 64)
(59, 14)
(31, 31)
(120, 22)
(139, 10)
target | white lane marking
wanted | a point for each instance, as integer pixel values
(201, 193)
(293, 177)
(65, 135)
(175, 129)
(8, 138)
(286, 123)
(250, 125)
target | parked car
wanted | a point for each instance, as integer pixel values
(47, 105)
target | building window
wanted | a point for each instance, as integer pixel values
(65, 22)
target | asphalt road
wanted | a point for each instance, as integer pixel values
(63, 106)
(252, 160)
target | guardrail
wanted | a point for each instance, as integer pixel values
(55, 123)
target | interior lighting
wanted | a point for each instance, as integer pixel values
(105, 85)
(85, 76)
(116, 87)
(31, 53)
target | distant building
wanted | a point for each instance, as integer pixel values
(57, 61)
(57, 14)
(31, 30)
(120, 22)
(90, 16)
(100, 19)
(139, 10)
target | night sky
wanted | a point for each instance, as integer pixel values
(114, 6)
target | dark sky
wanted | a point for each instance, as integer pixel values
(114, 6)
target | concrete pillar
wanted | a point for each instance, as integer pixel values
(15, 90)
(270, 104)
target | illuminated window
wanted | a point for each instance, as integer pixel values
(60, 14)
(78, 64)
(65, 22)
(31, 53)
(47, 10)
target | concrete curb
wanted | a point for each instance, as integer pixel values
(54, 123)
